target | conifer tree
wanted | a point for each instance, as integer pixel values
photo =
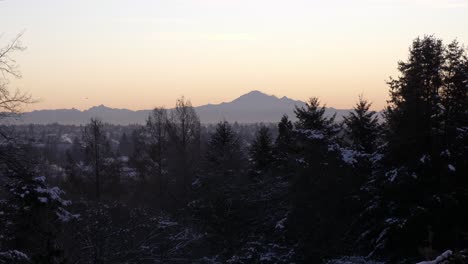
(285, 137)
(261, 150)
(312, 116)
(125, 147)
(412, 114)
(32, 213)
(362, 126)
(417, 184)
(322, 186)
(455, 91)
(224, 154)
(217, 188)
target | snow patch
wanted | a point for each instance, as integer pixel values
(43, 199)
(311, 133)
(348, 156)
(123, 158)
(452, 168)
(424, 158)
(65, 138)
(445, 153)
(280, 223)
(196, 183)
(440, 259)
(54, 194)
(14, 255)
(65, 216)
(391, 175)
(40, 179)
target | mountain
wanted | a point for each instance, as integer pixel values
(252, 107)
(77, 117)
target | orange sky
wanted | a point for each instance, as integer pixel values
(141, 54)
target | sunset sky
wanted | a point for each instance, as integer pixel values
(138, 54)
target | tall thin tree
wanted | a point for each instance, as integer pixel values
(94, 138)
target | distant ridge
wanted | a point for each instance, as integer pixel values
(252, 107)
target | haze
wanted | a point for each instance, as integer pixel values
(140, 54)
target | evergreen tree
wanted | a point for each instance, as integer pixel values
(261, 150)
(412, 113)
(285, 138)
(224, 153)
(362, 126)
(218, 189)
(412, 122)
(32, 213)
(454, 91)
(125, 146)
(312, 116)
(322, 187)
(415, 189)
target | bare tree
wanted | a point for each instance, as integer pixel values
(185, 124)
(95, 141)
(184, 134)
(96, 144)
(156, 125)
(11, 102)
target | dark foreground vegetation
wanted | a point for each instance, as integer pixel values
(392, 189)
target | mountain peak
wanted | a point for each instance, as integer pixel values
(254, 96)
(99, 108)
(255, 92)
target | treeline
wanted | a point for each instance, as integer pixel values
(313, 191)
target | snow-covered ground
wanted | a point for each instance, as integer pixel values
(352, 260)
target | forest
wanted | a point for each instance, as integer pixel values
(378, 187)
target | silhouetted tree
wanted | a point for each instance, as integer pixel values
(125, 146)
(322, 185)
(183, 130)
(223, 153)
(96, 144)
(415, 189)
(412, 113)
(11, 103)
(31, 218)
(261, 149)
(454, 91)
(362, 126)
(157, 125)
(31, 212)
(140, 159)
(312, 116)
(284, 141)
(217, 189)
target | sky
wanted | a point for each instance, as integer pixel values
(139, 54)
